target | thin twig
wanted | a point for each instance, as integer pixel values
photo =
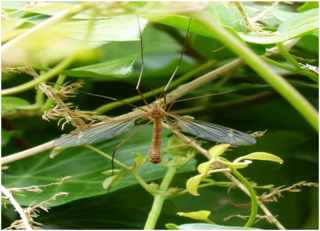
(17, 207)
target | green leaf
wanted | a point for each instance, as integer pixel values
(218, 150)
(16, 103)
(124, 28)
(233, 164)
(193, 183)
(203, 226)
(260, 156)
(182, 22)
(7, 25)
(113, 179)
(308, 6)
(56, 151)
(119, 68)
(172, 226)
(299, 25)
(205, 167)
(6, 136)
(226, 16)
(283, 15)
(199, 215)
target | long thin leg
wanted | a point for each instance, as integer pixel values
(119, 145)
(220, 93)
(174, 73)
(181, 100)
(142, 66)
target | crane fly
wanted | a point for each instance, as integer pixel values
(157, 113)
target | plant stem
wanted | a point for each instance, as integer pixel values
(254, 201)
(107, 156)
(287, 55)
(159, 199)
(254, 61)
(309, 74)
(18, 208)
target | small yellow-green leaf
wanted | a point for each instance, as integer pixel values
(172, 226)
(205, 167)
(236, 164)
(139, 161)
(193, 183)
(260, 156)
(112, 179)
(56, 151)
(199, 215)
(138, 154)
(110, 172)
(218, 150)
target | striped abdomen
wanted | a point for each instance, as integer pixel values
(155, 155)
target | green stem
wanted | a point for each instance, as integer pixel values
(254, 201)
(105, 108)
(159, 200)
(107, 156)
(309, 74)
(256, 63)
(287, 55)
(39, 98)
(50, 101)
(144, 184)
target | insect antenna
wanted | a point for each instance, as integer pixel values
(174, 73)
(155, 94)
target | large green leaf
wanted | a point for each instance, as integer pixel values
(85, 168)
(204, 226)
(299, 25)
(124, 28)
(122, 68)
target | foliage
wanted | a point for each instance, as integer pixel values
(99, 43)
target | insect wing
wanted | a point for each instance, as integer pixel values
(95, 134)
(214, 132)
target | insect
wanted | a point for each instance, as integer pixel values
(157, 113)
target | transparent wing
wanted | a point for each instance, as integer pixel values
(96, 134)
(214, 132)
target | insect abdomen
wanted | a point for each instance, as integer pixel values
(155, 156)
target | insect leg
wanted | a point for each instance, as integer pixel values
(119, 145)
(142, 66)
(174, 73)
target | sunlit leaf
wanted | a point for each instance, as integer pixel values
(260, 156)
(199, 215)
(124, 28)
(299, 25)
(193, 183)
(113, 179)
(205, 167)
(204, 226)
(218, 150)
(7, 135)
